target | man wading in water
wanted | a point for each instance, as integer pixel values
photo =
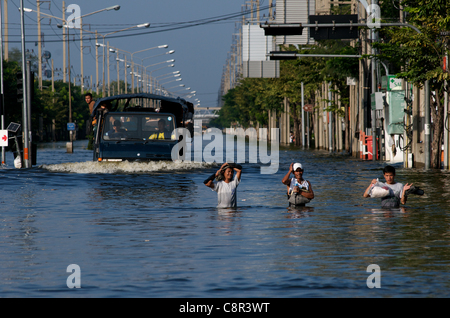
(226, 188)
(396, 192)
(300, 190)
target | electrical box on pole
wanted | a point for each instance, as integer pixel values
(19, 78)
(396, 112)
(30, 79)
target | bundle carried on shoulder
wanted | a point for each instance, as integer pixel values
(297, 199)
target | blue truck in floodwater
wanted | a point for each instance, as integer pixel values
(138, 126)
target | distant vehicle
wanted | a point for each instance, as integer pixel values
(139, 126)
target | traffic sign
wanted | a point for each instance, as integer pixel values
(3, 138)
(70, 126)
(308, 107)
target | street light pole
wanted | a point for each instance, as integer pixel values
(374, 38)
(167, 74)
(118, 74)
(26, 141)
(427, 141)
(69, 147)
(149, 57)
(96, 64)
(151, 78)
(118, 68)
(146, 25)
(181, 85)
(176, 80)
(22, 10)
(164, 46)
(2, 107)
(170, 76)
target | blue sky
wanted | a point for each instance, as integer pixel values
(200, 51)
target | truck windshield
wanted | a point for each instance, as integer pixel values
(120, 126)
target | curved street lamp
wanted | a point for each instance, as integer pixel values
(164, 46)
(181, 85)
(146, 25)
(143, 25)
(167, 74)
(184, 89)
(151, 72)
(177, 80)
(149, 57)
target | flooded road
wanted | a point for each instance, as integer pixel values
(153, 230)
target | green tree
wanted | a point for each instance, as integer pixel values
(13, 110)
(251, 99)
(419, 56)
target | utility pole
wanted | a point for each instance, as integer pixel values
(446, 113)
(257, 12)
(96, 63)
(118, 74)
(81, 55)
(25, 127)
(107, 54)
(64, 41)
(374, 37)
(28, 97)
(69, 145)
(132, 75)
(303, 116)
(2, 108)
(427, 140)
(53, 78)
(38, 4)
(126, 75)
(6, 47)
(270, 9)
(330, 119)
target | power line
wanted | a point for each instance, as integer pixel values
(173, 26)
(56, 6)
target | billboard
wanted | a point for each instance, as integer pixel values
(255, 46)
(261, 69)
(294, 11)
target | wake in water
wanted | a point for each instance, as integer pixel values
(92, 167)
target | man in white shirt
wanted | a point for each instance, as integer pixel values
(397, 192)
(226, 188)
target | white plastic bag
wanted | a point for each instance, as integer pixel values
(18, 163)
(379, 192)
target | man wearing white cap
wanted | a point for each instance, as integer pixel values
(299, 190)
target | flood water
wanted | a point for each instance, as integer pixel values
(153, 230)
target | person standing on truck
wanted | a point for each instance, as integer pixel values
(90, 101)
